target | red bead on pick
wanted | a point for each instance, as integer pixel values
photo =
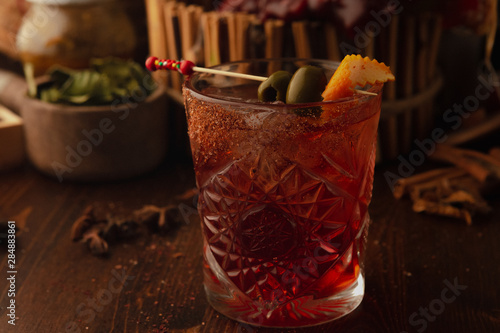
(184, 67)
(150, 64)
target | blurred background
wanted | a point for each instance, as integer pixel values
(442, 53)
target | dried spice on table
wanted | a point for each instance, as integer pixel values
(92, 237)
(120, 227)
(456, 192)
(483, 167)
(158, 219)
(83, 223)
(98, 234)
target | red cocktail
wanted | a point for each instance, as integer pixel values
(284, 192)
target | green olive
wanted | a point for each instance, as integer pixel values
(306, 85)
(275, 87)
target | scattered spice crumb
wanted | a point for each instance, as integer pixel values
(178, 255)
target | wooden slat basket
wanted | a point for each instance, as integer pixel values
(409, 45)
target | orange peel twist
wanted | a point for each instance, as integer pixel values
(354, 71)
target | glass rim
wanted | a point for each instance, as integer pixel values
(362, 98)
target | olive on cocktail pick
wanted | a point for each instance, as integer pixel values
(306, 85)
(275, 87)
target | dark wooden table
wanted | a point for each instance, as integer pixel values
(423, 273)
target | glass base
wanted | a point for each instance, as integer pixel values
(300, 312)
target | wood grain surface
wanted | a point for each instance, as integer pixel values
(154, 283)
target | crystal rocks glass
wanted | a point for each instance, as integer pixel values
(284, 191)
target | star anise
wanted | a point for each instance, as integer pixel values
(93, 239)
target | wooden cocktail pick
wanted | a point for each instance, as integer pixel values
(187, 67)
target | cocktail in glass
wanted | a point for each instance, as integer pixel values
(283, 196)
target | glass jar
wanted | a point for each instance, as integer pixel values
(71, 32)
